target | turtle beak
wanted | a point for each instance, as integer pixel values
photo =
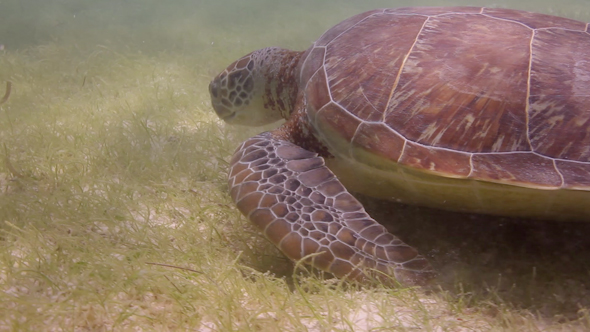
(214, 88)
(221, 105)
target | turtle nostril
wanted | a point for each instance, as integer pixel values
(214, 89)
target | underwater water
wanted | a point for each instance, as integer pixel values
(112, 158)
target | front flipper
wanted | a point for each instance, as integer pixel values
(302, 207)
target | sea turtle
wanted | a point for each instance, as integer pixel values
(483, 110)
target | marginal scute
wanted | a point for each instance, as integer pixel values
(575, 175)
(521, 168)
(535, 21)
(336, 123)
(447, 162)
(370, 138)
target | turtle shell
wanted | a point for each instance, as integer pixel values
(489, 95)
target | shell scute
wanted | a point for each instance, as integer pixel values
(370, 138)
(339, 28)
(465, 96)
(448, 162)
(455, 108)
(317, 93)
(370, 62)
(575, 175)
(560, 95)
(337, 124)
(535, 20)
(526, 168)
(314, 60)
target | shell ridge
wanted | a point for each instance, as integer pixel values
(528, 93)
(560, 174)
(507, 20)
(470, 166)
(399, 72)
(558, 28)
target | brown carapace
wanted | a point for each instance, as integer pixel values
(471, 109)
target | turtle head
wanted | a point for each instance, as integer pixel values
(258, 89)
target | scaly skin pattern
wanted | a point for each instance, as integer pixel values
(300, 205)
